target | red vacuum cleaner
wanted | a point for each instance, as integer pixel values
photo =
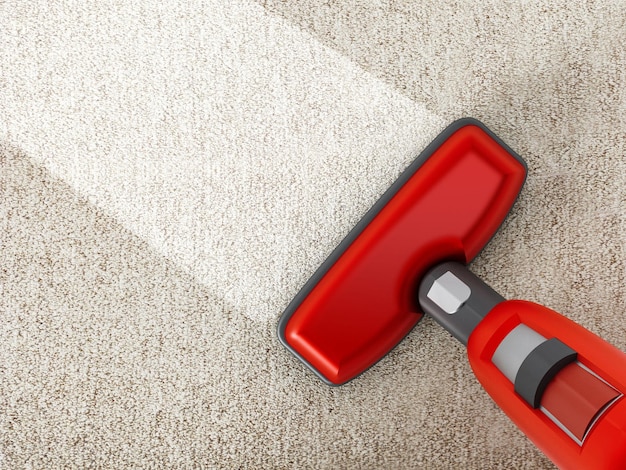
(561, 384)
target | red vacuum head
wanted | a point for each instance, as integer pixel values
(363, 299)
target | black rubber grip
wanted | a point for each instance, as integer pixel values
(540, 367)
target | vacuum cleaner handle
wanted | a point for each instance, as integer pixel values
(561, 384)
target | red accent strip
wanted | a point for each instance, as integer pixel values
(575, 397)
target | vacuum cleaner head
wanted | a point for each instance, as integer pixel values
(363, 300)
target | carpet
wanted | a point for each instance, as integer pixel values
(171, 173)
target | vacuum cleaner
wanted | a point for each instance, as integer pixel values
(561, 384)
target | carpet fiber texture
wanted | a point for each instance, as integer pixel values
(171, 173)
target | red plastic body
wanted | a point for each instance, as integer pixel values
(366, 302)
(604, 447)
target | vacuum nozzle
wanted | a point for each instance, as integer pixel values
(362, 300)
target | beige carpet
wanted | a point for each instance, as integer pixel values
(171, 173)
